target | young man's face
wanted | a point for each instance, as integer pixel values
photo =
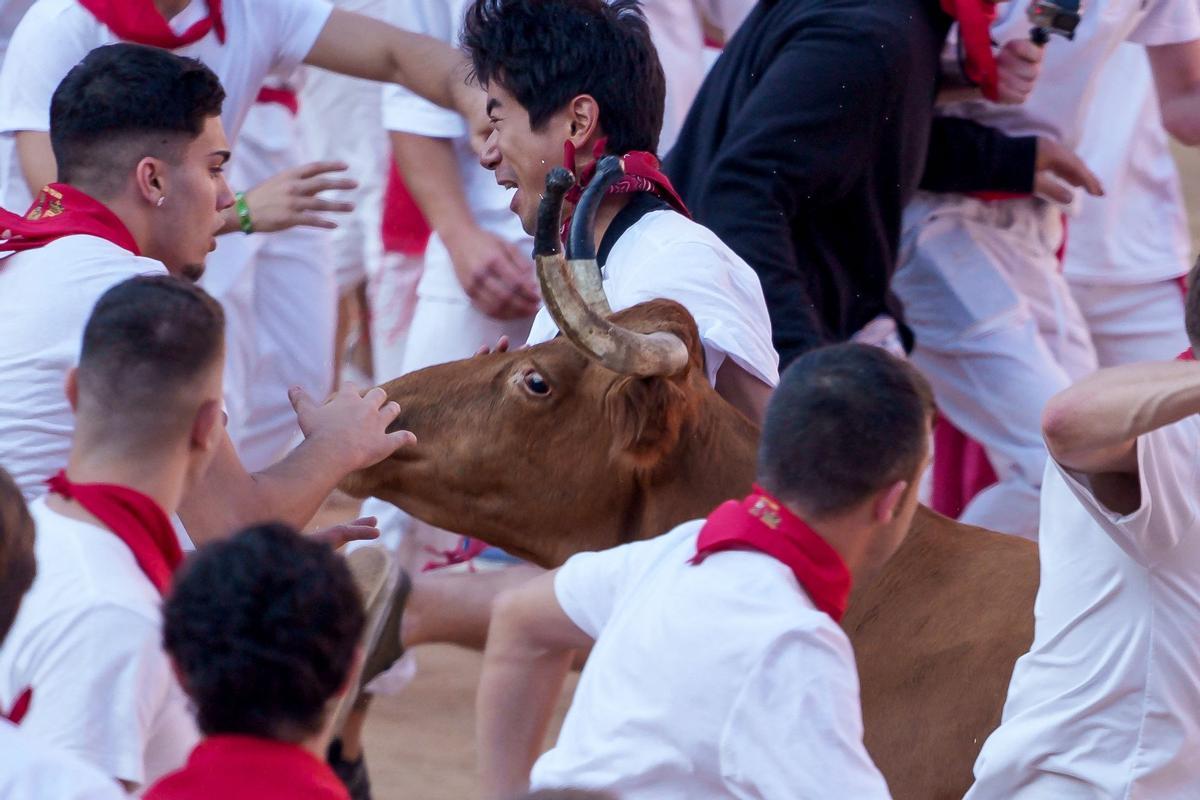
(195, 194)
(520, 156)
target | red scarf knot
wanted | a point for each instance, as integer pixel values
(61, 210)
(642, 174)
(135, 518)
(140, 22)
(974, 19)
(1186, 355)
(761, 522)
(20, 707)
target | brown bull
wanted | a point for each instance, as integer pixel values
(546, 452)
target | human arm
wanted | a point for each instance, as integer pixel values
(353, 44)
(291, 198)
(742, 390)
(529, 651)
(1176, 70)
(795, 729)
(38, 166)
(494, 273)
(345, 433)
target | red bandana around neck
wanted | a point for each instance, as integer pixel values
(974, 19)
(641, 175)
(1186, 355)
(61, 210)
(135, 518)
(140, 22)
(760, 522)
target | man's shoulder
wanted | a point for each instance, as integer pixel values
(665, 232)
(80, 263)
(31, 769)
(65, 19)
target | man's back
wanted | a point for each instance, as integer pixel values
(803, 146)
(706, 680)
(46, 296)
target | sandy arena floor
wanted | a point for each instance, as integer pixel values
(421, 743)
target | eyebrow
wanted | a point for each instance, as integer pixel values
(492, 104)
(224, 154)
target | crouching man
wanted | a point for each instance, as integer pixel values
(717, 666)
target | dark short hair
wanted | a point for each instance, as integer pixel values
(545, 52)
(263, 629)
(146, 342)
(124, 102)
(845, 421)
(18, 565)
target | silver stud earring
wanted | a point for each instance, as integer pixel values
(161, 200)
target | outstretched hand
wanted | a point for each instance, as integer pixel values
(292, 198)
(1058, 170)
(352, 425)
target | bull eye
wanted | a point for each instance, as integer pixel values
(535, 383)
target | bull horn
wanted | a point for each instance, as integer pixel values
(581, 247)
(622, 351)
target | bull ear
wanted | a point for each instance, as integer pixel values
(648, 416)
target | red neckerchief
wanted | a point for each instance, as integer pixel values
(974, 19)
(1186, 355)
(61, 210)
(760, 522)
(20, 707)
(140, 22)
(280, 96)
(135, 518)
(641, 175)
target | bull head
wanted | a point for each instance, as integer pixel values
(608, 433)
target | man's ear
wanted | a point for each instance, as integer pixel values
(204, 425)
(150, 177)
(72, 388)
(584, 118)
(887, 502)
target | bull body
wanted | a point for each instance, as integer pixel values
(603, 459)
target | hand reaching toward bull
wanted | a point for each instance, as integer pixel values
(292, 198)
(360, 530)
(353, 425)
(1058, 169)
(495, 274)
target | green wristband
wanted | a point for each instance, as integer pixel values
(243, 212)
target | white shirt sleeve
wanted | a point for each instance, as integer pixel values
(98, 687)
(1169, 505)
(588, 585)
(1168, 22)
(795, 730)
(403, 110)
(49, 41)
(296, 26)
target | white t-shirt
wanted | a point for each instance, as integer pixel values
(88, 641)
(406, 112)
(664, 254)
(1059, 102)
(11, 12)
(262, 36)
(46, 297)
(1138, 232)
(1107, 701)
(710, 681)
(29, 770)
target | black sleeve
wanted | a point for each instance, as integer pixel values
(965, 156)
(796, 137)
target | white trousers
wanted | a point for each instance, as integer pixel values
(1134, 322)
(280, 302)
(998, 333)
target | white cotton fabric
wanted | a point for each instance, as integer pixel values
(1137, 233)
(1107, 701)
(88, 641)
(1058, 105)
(11, 12)
(46, 297)
(263, 37)
(666, 255)
(711, 681)
(30, 770)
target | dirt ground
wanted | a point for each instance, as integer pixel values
(420, 744)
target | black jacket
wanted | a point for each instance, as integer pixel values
(806, 140)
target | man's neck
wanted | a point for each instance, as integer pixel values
(170, 8)
(844, 533)
(610, 206)
(132, 216)
(162, 477)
